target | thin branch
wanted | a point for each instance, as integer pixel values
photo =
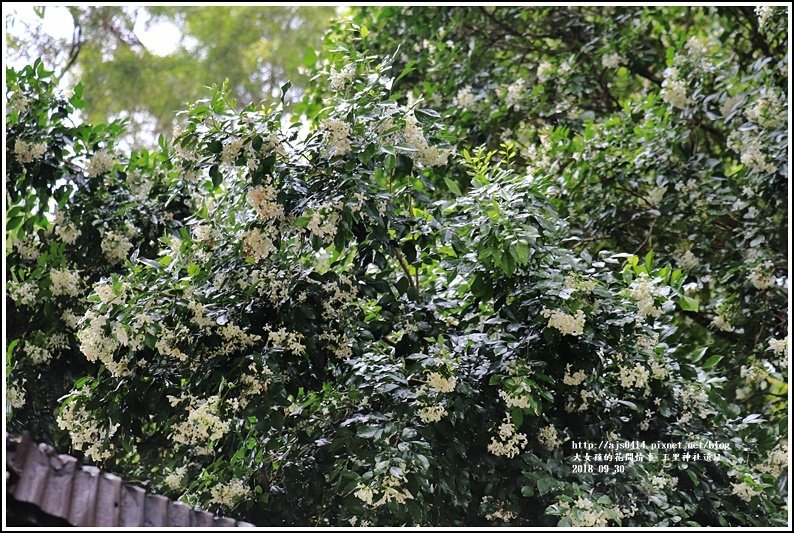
(404, 264)
(389, 342)
(648, 237)
(77, 44)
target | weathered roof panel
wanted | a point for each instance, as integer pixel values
(86, 496)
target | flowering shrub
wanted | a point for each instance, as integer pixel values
(382, 322)
(75, 214)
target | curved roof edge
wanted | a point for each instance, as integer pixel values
(85, 496)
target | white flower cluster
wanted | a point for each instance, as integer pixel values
(644, 290)
(696, 49)
(764, 14)
(324, 221)
(689, 186)
(106, 292)
(586, 513)
(338, 133)
(229, 494)
(754, 158)
(231, 150)
(654, 196)
(646, 422)
(779, 346)
(364, 493)
(548, 437)
(142, 324)
(544, 71)
(339, 79)
(257, 245)
(15, 394)
(139, 184)
(204, 234)
(28, 248)
(688, 260)
(64, 282)
(441, 384)
(516, 398)
(200, 317)
(70, 319)
(674, 89)
(636, 376)
(23, 293)
(66, 231)
(499, 511)
(575, 379)
(115, 246)
(423, 153)
(202, 425)
(662, 481)
(745, 491)
(577, 283)
(762, 276)
(694, 400)
(252, 385)
(286, 340)
(175, 479)
(96, 346)
(18, 102)
(565, 323)
(612, 61)
(235, 338)
(86, 432)
(465, 98)
(767, 109)
(755, 373)
(432, 413)
(515, 92)
(263, 199)
(776, 460)
(29, 152)
(100, 163)
(391, 487)
(509, 442)
(339, 297)
(274, 283)
(438, 384)
(166, 344)
(659, 368)
(585, 395)
(37, 355)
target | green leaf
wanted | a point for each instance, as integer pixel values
(712, 361)
(284, 89)
(407, 70)
(520, 251)
(310, 57)
(517, 415)
(215, 175)
(545, 485)
(14, 223)
(453, 187)
(688, 303)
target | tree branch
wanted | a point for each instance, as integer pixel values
(77, 44)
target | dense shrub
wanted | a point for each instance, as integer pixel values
(399, 311)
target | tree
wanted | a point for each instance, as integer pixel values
(386, 320)
(257, 50)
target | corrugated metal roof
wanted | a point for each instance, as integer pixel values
(85, 496)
